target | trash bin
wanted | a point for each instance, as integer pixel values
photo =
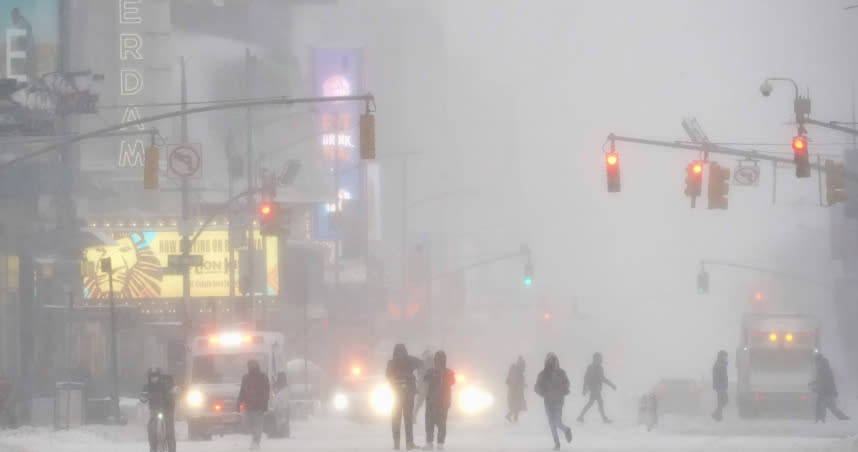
(69, 406)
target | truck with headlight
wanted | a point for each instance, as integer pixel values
(775, 363)
(216, 364)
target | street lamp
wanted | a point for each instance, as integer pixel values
(801, 105)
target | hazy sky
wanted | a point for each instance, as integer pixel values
(515, 99)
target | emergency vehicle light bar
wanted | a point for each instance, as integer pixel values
(230, 339)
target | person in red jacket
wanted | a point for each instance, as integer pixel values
(439, 396)
(254, 394)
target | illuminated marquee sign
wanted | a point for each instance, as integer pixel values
(139, 258)
(130, 77)
(339, 72)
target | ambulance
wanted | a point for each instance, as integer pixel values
(215, 366)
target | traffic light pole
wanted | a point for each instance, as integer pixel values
(251, 239)
(717, 149)
(778, 273)
(186, 244)
(226, 105)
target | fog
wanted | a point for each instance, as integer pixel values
(492, 123)
(514, 101)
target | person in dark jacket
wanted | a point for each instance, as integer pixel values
(719, 384)
(158, 393)
(552, 385)
(593, 380)
(826, 391)
(439, 396)
(515, 390)
(254, 394)
(403, 384)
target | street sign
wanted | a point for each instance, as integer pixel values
(184, 161)
(747, 175)
(177, 262)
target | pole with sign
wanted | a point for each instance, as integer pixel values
(114, 353)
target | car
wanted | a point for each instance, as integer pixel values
(678, 396)
(363, 398)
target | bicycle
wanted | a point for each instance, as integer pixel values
(160, 433)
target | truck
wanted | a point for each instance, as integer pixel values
(216, 364)
(775, 362)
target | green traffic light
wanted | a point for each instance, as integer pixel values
(528, 281)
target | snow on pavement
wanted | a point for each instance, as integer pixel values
(335, 435)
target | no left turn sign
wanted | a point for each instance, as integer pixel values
(184, 161)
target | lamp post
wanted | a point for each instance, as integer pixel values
(801, 104)
(114, 356)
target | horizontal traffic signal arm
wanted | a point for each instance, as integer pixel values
(718, 149)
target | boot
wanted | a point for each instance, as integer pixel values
(568, 433)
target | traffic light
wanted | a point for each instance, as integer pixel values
(801, 157)
(528, 274)
(702, 282)
(835, 183)
(269, 218)
(367, 136)
(718, 186)
(612, 165)
(150, 169)
(694, 179)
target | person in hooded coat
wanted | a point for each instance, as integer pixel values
(421, 382)
(254, 395)
(593, 380)
(826, 391)
(403, 384)
(515, 390)
(439, 396)
(552, 385)
(719, 384)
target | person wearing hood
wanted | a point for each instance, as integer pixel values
(428, 363)
(552, 385)
(719, 384)
(439, 396)
(253, 395)
(515, 390)
(593, 380)
(403, 384)
(826, 391)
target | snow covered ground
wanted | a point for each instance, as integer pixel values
(683, 435)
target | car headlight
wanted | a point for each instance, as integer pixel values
(382, 400)
(341, 402)
(473, 400)
(195, 398)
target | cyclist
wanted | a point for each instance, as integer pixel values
(159, 392)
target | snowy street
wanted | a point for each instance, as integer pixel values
(334, 435)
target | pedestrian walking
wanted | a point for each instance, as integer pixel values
(719, 384)
(826, 391)
(593, 380)
(515, 390)
(552, 385)
(400, 374)
(439, 396)
(253, 395)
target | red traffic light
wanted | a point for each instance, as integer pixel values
(612, 159)
(799, 144)
(697, 168)
(265, 210)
